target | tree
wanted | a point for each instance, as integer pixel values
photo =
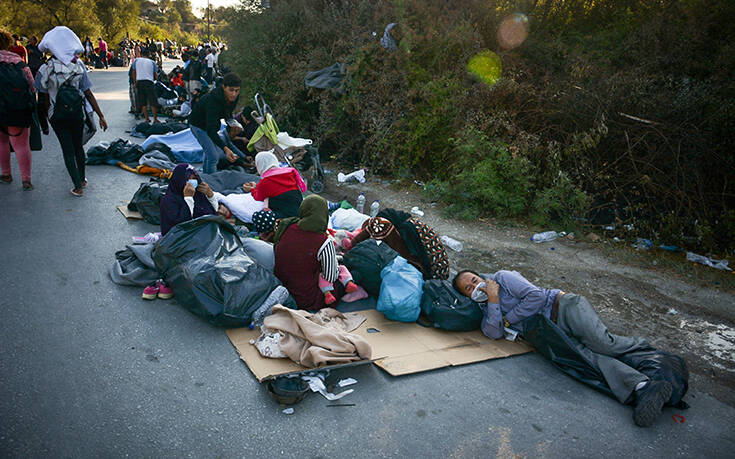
(117, 17)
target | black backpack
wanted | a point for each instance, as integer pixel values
(16, 97)
(69, 104)
(447, 308)
(366, 260)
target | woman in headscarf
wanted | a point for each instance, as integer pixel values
(187, 197)
(279, 187)
(306, 258)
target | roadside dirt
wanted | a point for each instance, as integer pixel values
(678, 306)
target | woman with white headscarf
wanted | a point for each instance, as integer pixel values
(66, 89)
(279, 187)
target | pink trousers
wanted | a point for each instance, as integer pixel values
(18, 138)
(344, 277)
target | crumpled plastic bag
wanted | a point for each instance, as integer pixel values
(347, 219)
(358, 175)
(400, 291)
(711, 262)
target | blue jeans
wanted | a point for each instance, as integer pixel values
(212, 153)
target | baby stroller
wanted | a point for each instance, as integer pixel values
(301, 157)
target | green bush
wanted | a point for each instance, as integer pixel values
(485, 179)
(610, 111)
(562, 204)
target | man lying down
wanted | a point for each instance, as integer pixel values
(506, 297)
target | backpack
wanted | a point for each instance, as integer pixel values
(366, 260)
(69, 104)
(448, 309)
(17, 102)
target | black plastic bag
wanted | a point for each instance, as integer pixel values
(210, 272)
(147, 201)
(662, 365)
(119, 150)
(551, 342)
(365, 261)
(447, 308)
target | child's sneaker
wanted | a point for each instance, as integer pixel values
(350, 287)
(151, 291)
(164, 291)
(329, 298)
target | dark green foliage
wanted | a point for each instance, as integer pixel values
(617, 111)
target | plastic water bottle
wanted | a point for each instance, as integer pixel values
(451, 243)
(360, 204)
(544, 237)
(374, 208)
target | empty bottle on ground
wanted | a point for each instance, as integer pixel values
(451, 243)
(360, 204)
(374, 208)
(544, 237)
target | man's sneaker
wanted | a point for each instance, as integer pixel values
(351, 287)
(649, 401)
(151, 291)
(164, 291)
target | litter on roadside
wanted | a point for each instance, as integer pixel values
(711, 262)
(544, 237)
(358, 175)
(346, 382)
(643, 244)
(316, 384)
(451, 243)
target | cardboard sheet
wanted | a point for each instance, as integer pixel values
(398, 348)
(131, 214)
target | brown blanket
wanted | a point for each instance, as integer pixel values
(316, 339)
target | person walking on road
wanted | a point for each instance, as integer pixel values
(64, 84)
(19, 102)
(144, 72)
(19, 49)
(205, 121)
(102, 45)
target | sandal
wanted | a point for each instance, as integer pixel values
(6, 178)
(27, 185)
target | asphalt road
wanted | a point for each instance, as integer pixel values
(89, 369)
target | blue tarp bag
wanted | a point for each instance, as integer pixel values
(400, 291)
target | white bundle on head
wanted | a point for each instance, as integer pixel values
(62, 42)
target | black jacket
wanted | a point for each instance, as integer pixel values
(208, 112)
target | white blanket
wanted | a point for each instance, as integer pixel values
(242, 206)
